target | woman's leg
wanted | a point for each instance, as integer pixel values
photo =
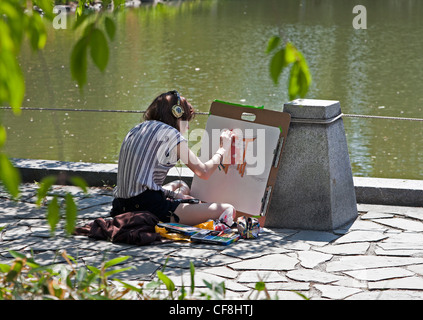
(192, 214)
(177, 186)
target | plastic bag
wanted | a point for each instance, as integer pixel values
(248, 228)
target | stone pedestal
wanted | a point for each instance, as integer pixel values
(314, 188)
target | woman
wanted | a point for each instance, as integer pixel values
(149, 150)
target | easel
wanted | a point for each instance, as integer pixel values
(246, 185)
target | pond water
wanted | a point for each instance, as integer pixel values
(214, 49)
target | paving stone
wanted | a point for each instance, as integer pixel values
(358, 248)
(141, 270)
(418, 268)
(369, 262)
(11, 210)
(383, 208)
(296, 245)
(379, 273)
(399, 253)
(15, 232)
(252, 249)
(403, 224)
(220, 260)
(275, 294)
(94, 212)
(179, 262)
(405, 237)
(83, 203)
(316, 238)
(351, 283)
(414, 213)
(270, 262)
(387, 295)
(310, 259)
(184, 278)
(361, 236)
(16, 245)
(381, 250)
(265, 276)
(336, 292)
(376, 215)
(194, 253)
(147, 251)
(224, 272)
(290, 285)
(367, 226)
(414, 283)
(312, 276)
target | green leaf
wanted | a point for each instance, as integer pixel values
(3, 136)
(4, 268)
(37, 32)
(273, 43)
(47, 7)
(277, 64)
(300, 79)
(192, 272)
(53, 214)
(293, 86)
(94, 270)
(45, 185)
(99, 49)
(110, 27)
(291, 53)
(12, 84)
(78, 61)
(111, 272)
(115, 261)
(9, 176)
(170, 286)
(260, 286)
(71, 213)
(17, 255)
(15, 270)
(80, 182)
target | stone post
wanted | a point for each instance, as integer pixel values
(314, 189)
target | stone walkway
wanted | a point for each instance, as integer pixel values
(379, 256)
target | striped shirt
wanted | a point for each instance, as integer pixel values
(146, 155)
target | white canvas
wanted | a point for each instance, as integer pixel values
(245, 192)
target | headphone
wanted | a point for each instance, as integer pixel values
(177, 109)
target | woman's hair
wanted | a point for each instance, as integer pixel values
(161, 109)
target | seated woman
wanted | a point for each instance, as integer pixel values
(147, 153)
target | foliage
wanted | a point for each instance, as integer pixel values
(93, 39)
(54, 209)
(19, 19)
(300, 78)
(25, 279)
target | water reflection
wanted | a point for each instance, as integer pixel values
(214, 49)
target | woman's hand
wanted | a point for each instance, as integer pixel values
(226, 139)
(183, 196)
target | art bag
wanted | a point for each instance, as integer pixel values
(248, 228)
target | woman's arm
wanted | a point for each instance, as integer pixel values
(206, 169)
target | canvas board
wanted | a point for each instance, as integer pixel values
(247, 183)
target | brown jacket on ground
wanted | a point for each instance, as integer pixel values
(129, 227)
